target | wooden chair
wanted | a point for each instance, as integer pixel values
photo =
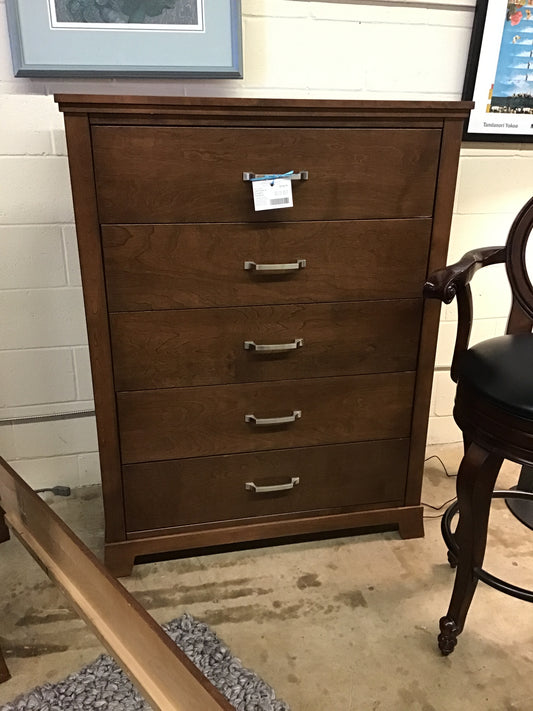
(493, 408)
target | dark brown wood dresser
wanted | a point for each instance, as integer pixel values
(259, 375)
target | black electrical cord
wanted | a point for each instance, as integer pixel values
(446, 503)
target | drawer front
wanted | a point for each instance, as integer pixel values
(162, 349)
(188, 266)
(192, 422)
(182, 174)
(209, 489)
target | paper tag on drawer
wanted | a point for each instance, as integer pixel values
(272, 194)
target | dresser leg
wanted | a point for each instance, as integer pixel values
(4, 671)
(118, 560)
(411, 523)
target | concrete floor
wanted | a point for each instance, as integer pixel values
(347, 624)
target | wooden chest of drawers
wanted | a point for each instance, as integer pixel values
(259, 374)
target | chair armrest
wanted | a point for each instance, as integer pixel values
(444, 284)
(454, 281)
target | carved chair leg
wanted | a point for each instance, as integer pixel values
(475, 483)
(4, 671)
(452, 557)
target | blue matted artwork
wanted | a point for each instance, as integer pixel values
(112, 38)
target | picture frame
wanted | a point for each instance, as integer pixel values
(499, 72)
(126, 38)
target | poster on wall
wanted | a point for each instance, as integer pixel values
(113, 38)
(499, 74)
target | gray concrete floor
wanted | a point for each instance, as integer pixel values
(346, 624)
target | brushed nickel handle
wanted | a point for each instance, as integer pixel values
(273, 347)
(252, 486)
(291, 175)
(266, 421)
(290, 267)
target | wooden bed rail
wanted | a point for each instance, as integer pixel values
(165, 676)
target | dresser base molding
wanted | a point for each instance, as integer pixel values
(120, 557)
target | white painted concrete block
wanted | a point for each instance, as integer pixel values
(36, 376)
(32, 257)
(393, 58)
(482, 329)
(83, 373)
(71, 255)
(492, 184)
(444, 394)
(443, 430)
(491, 293)
(42, 318)
(281, 52)
(56, 437)
(338, 57)
(275, 8)
(8, 449)
(25, 125)
(89, 468)
(477, 230)
(49, 471)
(35, 190)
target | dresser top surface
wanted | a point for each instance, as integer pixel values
(94, 104)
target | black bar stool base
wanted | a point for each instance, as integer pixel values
(522, 509)
(453, 550)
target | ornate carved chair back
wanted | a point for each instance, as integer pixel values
(519, 265)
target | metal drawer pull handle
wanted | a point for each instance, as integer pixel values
(273, 347)
(265, 421)
(251, 486)
(301, 175)
(291, 267)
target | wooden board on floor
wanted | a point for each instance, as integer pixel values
(161, 671)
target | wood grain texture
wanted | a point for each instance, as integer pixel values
(90, 252)
(192, 422)
(161, 349)
(161, 671)
(177, 224)
(259, 111)
(212, 489)
(198, 266)
(407, 518)
(195, 174)
(451, 144)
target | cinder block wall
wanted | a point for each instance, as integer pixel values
(293, 49)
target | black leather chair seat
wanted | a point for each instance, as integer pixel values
(501, 369)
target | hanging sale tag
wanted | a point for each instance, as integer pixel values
(272, 194)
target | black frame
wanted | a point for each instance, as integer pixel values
(472, 67)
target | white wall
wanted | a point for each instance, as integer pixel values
(292, 48)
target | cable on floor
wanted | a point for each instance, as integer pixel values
(446, 503)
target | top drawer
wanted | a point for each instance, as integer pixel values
(148, 174)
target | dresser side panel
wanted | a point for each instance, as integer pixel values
(442, 219)
(90, 251)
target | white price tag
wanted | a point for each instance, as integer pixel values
(272, 194)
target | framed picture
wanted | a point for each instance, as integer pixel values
(499, 74)
(114, 38)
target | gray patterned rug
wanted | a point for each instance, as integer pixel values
(103, 685)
